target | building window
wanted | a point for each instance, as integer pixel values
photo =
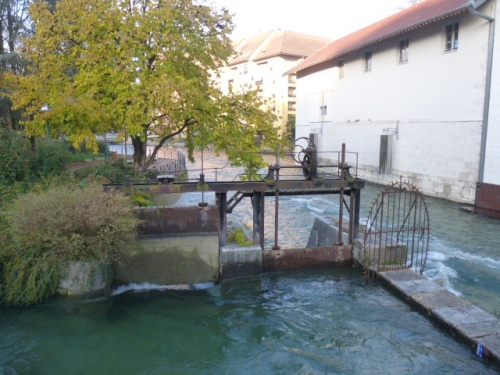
(451, 37)
(403, 50)
(291, 92)
(292, 78)
(368, 61)
(291, 106)
(341, 69)
(245, 69)
(323, 110)
(230, 83)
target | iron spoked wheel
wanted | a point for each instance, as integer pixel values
(299, 151)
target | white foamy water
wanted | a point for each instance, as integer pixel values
(464, 250)
(442, 275)
(146, 287)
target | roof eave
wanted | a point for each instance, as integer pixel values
(381, 38)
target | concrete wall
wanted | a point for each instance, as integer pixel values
(432, 105)
(174, 246)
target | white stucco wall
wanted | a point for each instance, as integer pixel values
(436, 98)
(492, 152)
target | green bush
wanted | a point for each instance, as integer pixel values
(64, 223)
(15, 157)
(112, 172)
(18, 163)
(239, 236)
(49, 158)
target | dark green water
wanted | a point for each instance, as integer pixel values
(303, 322)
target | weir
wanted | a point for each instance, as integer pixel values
(277, 183)
(394, 240)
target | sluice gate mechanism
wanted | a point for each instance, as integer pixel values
(306, 156)
(397, 230)
(334, 173)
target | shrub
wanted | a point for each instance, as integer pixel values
(61, 224)
(15, 157)
(49, 158)
(239, 236)
(112, 172)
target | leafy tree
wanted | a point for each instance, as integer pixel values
(140, 67)
(13, 24)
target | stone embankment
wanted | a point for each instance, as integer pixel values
(469, 323)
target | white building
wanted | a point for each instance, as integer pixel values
(260, 63)
(411, 95)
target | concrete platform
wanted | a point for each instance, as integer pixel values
(476, 327)
(238, 261)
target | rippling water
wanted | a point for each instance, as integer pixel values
(301, 322)
(298, 322)
(464, 248)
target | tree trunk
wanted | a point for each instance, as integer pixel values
(139, 153)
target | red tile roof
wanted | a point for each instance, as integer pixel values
(277, 43)
(411, 18)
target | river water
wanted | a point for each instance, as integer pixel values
(464, 248)
(296, 322)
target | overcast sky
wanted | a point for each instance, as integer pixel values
(328, 18)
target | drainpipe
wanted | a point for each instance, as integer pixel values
(471, 7)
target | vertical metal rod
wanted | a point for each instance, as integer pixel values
(256, 217)
(222, 203)
(126, 156)
(341, 206)
(251, 166)
(357, 206)
(261, 219)
(202, 175)
(352, 214)
(277, 202)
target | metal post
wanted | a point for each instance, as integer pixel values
(222, 203)
(355, 208)
(277, 202)
(125, 151)
(202, 174)
(258, 218)
(341, 205)
(127, 185)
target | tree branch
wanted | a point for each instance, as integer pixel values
(187, 123)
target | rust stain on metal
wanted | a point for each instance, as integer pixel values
(178, 220)
(335, 256)
(487, 199)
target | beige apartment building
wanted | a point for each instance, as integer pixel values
(260, 64)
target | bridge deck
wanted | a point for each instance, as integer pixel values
(268, 187)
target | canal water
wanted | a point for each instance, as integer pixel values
(464, 248)
(297, 322)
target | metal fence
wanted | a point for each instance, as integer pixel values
(397, 230)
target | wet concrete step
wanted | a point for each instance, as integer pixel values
(473, 325)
